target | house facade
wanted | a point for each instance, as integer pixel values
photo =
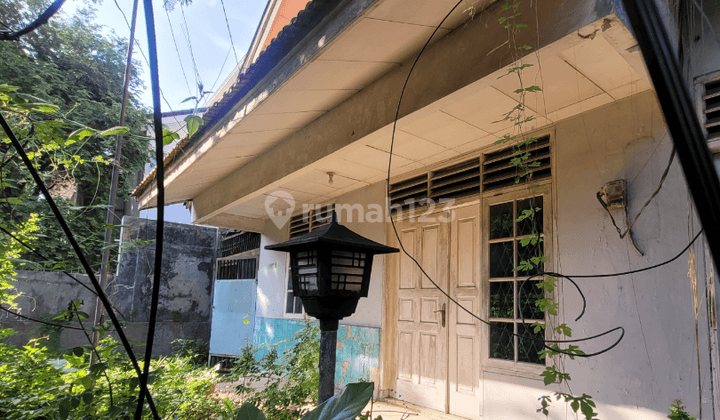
(310, 122)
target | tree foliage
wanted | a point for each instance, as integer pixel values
(70, 64)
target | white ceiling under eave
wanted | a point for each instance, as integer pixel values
(574, 80)
(384, 37)
(577, 73)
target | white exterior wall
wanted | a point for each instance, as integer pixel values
(656, 361)
(272, 274)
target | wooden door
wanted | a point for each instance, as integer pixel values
(421, 345)
(465, 390)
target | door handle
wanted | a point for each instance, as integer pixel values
(442, 317)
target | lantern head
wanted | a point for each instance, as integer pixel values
(330, 268)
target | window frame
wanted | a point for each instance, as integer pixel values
(513, 194)
(287, 290)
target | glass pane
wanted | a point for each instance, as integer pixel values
(527, 253)
(289, 303)
(501, 299)
(501, 221)
(533, 223)
(528, 294)
(501, 340)
(501, 260)
(529, 344)
(298, 305)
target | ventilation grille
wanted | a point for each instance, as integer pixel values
(237, 269)
(499, 171)
(712, 109)
(238, 243)
(457, 181)
(466, 178)
(304, 223)
(409, 192)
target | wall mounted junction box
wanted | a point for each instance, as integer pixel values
(615, 193)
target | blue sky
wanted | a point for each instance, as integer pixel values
(208, 35)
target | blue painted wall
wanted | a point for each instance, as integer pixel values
(358, 348)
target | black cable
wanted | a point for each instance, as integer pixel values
(29, 248)
(647, 203)
(222, 2)
(177, 51)
(41, 20)
(76, 247)
(39, 321)
(160, 171)
(417, 263)
(186, 32)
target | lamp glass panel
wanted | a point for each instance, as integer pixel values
(306, 270)
(347, 269)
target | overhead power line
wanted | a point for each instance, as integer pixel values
(227, 23)
(177, 51)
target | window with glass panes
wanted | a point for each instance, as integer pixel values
(293, 304)
(509, 299)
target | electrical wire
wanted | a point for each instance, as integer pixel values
(177, 51)
(39, 321)
(647, 203)
(227, 24)
(186, 32)
(569, 278)
(137, 45)
(76, 247)
(159, 233)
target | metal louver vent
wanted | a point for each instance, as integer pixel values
(410, 191)
(499, 172)
(711, 110)
(456, 181)
(304, 223)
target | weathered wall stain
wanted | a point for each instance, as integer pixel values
(185, 291)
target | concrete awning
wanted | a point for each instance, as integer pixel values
(329, 104)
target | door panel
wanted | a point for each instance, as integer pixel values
(465, 391)
(422, 340)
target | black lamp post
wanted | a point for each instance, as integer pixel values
(330, 269)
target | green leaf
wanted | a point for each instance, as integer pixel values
(75, 402)
(97, 369)
(64, 410)
(78, 351)
(87, 397)
(248, 411)
(169, 136)
(120, 129)
(41, 107)
(80, 134)
(193, 122)
(345, 406)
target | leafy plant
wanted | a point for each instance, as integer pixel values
(344, 406)
(288, 382)
(196, 351)
(63, 90)
(677, 411)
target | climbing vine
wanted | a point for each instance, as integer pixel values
(522, 159)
